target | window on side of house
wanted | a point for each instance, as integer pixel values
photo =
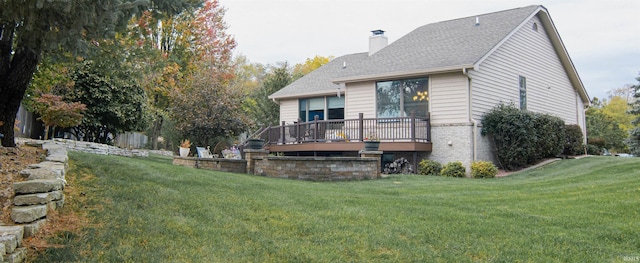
(523, 92)
(326, 108)
(398, 98)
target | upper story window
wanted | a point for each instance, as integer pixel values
(523, 92)
(398, 98)
(326, 108)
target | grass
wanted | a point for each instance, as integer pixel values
(147, 210)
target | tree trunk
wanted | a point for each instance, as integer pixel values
(16, 71)
(157, 129)
(46, 132)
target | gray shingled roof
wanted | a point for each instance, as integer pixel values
(447, 44)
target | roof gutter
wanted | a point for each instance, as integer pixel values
(401, 74)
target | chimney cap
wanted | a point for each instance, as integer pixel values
(377, 32)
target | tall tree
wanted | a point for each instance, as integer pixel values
(262, 110)
(208, 109)
(634, 134)
(309, 65)
(114, 103)
(617, 108)
(205, 106)
(28, 28)
(604, 131)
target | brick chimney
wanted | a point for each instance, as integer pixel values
(377, 41)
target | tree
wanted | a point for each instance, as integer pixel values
(309, 65)
(114, 103)
(263, 110)
(625, 92)
(209, 109)
(634, 135)
(617, 108)
(205, 106)
(28, 28)
(54, 112)
(603, 131)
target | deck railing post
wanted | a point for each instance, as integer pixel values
(298, 139)
(282, 133)
(429, 126)
(315, 128)
(413, 126)
(361, 126)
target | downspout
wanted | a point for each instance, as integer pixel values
(473, 121)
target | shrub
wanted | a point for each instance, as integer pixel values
(399, 166)
(549, 136)
(573, 140)
(429, 167)
(483, 169)
(593, 149)
(511, 131)
(453, 169)
(597, 141)
(522, 137)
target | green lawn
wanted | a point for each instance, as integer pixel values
(146, 210)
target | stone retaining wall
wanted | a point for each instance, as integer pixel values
(97, 148)
(318, 168)
(39, 194)
(367, 166)
(216, 164)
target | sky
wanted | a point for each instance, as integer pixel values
(601, 37)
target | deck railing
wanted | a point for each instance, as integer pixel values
(398, 129)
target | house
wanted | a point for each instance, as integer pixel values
(425, 94)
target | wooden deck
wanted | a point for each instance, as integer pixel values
(403, 134)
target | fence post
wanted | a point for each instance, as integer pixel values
(361, 126)
(413, 126)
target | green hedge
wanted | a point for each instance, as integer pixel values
(574, 140)
(522, 137)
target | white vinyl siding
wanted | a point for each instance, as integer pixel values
(448, 98)
(360, 97)
(527, 53)
(288, 111)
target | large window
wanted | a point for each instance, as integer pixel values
(398, 98)
(326, 108)
(523, 92)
